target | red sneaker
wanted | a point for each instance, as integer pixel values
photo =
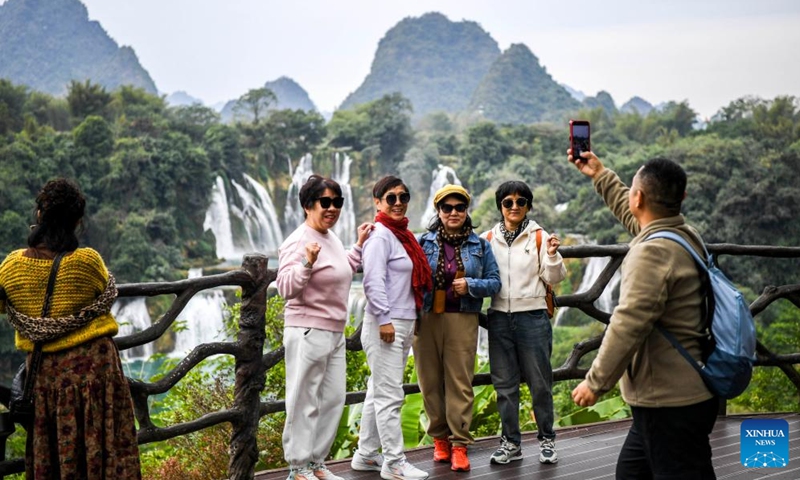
(441, 450)
(459, 460)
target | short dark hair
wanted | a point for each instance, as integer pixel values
(385, 184)
(511, 187)
(60, 207)
(313, 188)
(664, 184)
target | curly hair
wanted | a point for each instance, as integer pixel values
(60, 207)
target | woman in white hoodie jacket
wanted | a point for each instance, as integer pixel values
(520, 334)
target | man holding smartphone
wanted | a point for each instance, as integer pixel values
(673, 411)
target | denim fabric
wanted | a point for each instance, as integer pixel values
(483, 276)
(520, 344)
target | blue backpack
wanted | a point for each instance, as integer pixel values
(728, 368)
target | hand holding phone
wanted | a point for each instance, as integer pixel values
(579, 138)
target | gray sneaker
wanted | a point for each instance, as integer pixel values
(507, 453)
(366, 463)
(547, 451)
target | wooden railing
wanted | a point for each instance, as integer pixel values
(251, 364)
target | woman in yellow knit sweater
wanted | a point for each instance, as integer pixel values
(84, 424)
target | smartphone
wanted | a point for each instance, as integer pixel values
(579, 137)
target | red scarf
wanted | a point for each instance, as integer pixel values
(421, 275)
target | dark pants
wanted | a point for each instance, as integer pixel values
(520, 344)
(669, 443)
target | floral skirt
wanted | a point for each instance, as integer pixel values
(84, 424)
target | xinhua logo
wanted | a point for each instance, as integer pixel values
(764, 443)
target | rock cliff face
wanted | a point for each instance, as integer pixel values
(436, 63)
(47, 43)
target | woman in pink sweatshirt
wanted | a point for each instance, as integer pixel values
(314, 277)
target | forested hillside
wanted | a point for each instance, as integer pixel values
(45, 44)
(517, 89)
(430, 60)
(148, 169)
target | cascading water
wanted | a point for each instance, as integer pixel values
(257, 213)
(218, 220)
(442, 176)
(243, 219)
(132, 316)
(345, 228)
(203, 318)
(356, 302)
(593, 269)
(293, 215)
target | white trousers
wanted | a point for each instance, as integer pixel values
(316, 384)
(380, 417)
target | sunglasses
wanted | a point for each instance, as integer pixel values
(508, 203)
(326, 202)
(391, 199)
(447, 208)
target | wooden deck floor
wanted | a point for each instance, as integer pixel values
(585, 453)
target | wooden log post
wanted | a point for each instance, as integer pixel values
(250, 371)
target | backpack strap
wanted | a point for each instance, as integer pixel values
(699, 261)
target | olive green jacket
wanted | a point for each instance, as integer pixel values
(660, 285)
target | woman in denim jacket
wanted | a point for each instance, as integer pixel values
(464, 272)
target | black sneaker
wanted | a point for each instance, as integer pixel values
(507, 453)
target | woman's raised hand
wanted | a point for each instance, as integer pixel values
(363, 232)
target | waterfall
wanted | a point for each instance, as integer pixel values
(257, 213)
(243, 219)
(345, 228)
(132, 316)
(293, 216)
(356, 303)
(203, 317)
(218, 220)
(441, 176)
(593, 269)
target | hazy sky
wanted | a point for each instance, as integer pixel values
(708, 52)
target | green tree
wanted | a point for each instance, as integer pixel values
(253, 105)
(12, 102)
(484, 149)
(86, 98)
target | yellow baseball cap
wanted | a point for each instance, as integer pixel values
(450, 190)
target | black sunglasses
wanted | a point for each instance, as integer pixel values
(448, 209)
(405, 197)
(326, 202)
(508, 203)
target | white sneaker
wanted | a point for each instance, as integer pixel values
(547, 451)
(303, 473)
(322, 472)
(366, 463)
(402, 470)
